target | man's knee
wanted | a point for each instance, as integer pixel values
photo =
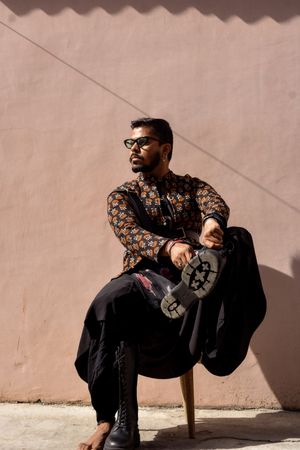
(118, 287)
(115, 297)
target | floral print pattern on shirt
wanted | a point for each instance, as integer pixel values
(191, 201)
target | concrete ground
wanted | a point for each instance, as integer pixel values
(60, 427)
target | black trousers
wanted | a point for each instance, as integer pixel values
(121, 313)
(216, 330)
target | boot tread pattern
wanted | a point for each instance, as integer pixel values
(198, 277)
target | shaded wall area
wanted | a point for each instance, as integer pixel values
(73, 75)
(277, 345)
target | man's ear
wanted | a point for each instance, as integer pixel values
(166, 148)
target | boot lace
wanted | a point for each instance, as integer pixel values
(123, 412)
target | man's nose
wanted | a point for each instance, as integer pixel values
(135, 148)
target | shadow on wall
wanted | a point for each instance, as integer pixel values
(230, 432)
(276, 344)
(248, 11)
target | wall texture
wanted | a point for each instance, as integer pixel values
(73, 74)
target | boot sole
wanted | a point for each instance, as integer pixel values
(199, 278)
(122, 448)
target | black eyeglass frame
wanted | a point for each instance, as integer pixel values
(140, 141)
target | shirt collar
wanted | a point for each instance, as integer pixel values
(150, 179)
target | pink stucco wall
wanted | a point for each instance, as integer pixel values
(73, 74)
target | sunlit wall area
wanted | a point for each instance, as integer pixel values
(73, 74)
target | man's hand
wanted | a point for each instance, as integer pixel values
(180, 253)
(212, 234)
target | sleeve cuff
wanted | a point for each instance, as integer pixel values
(220, 219)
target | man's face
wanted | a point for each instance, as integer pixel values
(148, 157)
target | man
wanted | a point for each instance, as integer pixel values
(162, 219)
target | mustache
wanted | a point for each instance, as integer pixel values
(140, 158)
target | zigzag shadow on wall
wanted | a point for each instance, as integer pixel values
(248, 11)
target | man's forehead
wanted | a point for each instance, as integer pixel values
(142, 131)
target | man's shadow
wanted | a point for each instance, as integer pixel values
(230, 432)
(276, 343)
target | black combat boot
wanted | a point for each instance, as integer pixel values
(125, 433)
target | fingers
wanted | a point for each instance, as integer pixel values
(181, 254)
(179, 264)
(212, 234)
(83, 446)
(212, 240)
(209, 244)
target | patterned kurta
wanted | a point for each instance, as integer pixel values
(191, 201)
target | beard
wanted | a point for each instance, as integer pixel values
(145, 168)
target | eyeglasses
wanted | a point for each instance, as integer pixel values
(141, 141)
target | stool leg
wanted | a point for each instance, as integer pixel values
(187, 389)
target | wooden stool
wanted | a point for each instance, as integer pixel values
(187, 390)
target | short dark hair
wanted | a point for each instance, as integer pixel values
(161, 128)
